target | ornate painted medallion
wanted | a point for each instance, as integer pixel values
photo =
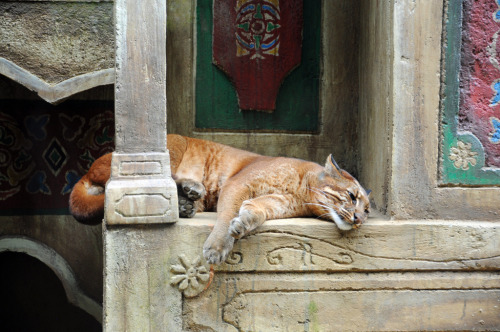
(258, 29)
(256, 43)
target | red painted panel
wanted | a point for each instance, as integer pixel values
(480, 76)
(257, 43)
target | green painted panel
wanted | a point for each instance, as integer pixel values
(297, 105)
(463, 156)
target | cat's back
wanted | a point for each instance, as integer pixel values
(200, 159)
(277, 175)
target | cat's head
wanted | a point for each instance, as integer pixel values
(339, 197)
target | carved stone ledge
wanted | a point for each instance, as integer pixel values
(304, 274)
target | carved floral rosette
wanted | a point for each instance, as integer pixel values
(190, 277)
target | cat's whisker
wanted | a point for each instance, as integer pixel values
(313, 189)
(323, 215)
(346, 216)
(318, 191)
(316, 204)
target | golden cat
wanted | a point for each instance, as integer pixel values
(243, 187)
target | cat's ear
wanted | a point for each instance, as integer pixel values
(332, 168)
(368, 192)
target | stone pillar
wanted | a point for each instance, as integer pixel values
(141, 195)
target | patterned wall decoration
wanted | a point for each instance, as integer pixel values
(471, 112)
(45, 149)
(257, 43)
(259, 55)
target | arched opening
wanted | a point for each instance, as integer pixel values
(34, 299)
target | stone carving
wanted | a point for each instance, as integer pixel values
(190, 278)
(56, 92)
(234, 258)
(141, 190)
(311, 310)
(462, 156)
(276, 256)
(140, 168)
(153, 205)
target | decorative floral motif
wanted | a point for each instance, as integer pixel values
(496, 15)
(72, 178)
(495, 135)
(190, 277)
(37, 126)
(462, 156)
(258, 28)
(45, 149)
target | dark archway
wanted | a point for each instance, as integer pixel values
(33, 298)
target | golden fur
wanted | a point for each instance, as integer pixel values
(243, 187)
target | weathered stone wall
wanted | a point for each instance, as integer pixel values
(57, 48)
(57, 40)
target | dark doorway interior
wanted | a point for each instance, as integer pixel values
(33, 299)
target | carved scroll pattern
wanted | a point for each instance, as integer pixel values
(286, 251)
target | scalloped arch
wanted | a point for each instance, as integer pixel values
(57, 264)
(54, 93)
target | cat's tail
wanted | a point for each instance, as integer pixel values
(86, 202)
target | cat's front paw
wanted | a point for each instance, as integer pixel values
(216, 250)
(238, 228)
(193, 190)
(187, 207)
(243, 224)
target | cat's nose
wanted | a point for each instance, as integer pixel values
(357, 218)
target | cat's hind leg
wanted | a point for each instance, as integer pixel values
(187, 207)
(254, 212)
(189, 192)
(191, 189)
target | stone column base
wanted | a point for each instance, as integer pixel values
(141, 190)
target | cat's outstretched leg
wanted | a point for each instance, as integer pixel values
(254, 212)
(189, 192)
(219, 243)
